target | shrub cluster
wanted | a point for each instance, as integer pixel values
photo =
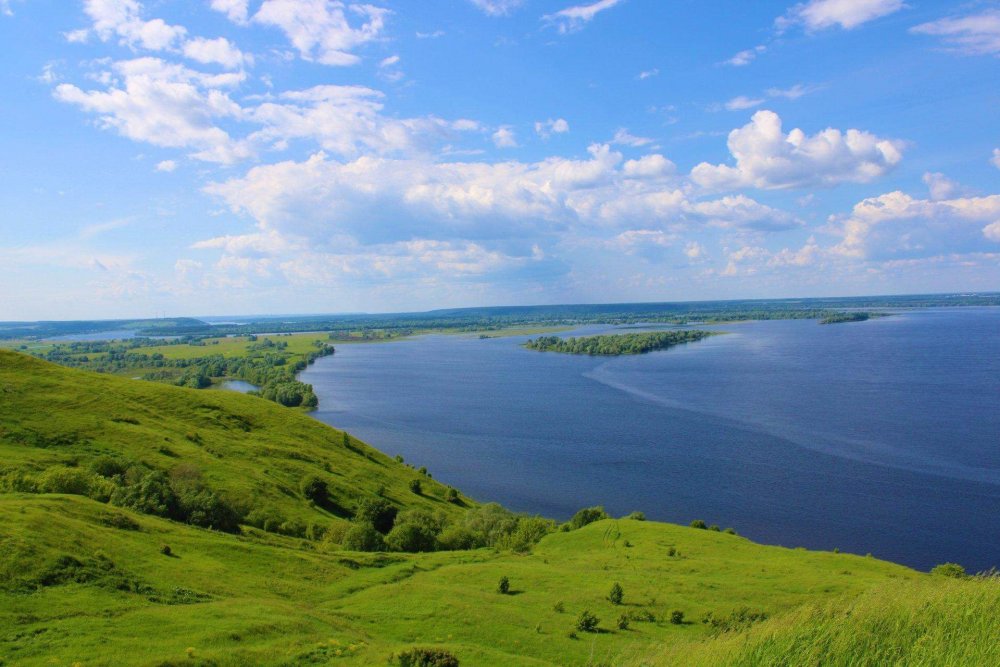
(426, 657)
(378, 526)
(181, 496)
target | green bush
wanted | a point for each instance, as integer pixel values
(623, 622)
(698, 523)
(426, 657)
(636, 516)
(503, 587)
(107, 466)
(677, 617)
(587, 622)
(587, 516)
(416, 487)
(528, 531)
(457, 538)
(60, 479)
(363, 537)
(204, 508)
(949, 570)
(316, 490)
(150, 494)
(266, 518)
(616, 595)
(411, 537)
(378, 512)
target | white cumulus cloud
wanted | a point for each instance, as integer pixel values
(897, 225)
(504, 137)
(766, 157)
(236, 10)
(546, 128)
(320, 29)
(219, 51)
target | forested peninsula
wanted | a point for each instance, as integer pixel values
(616, 344)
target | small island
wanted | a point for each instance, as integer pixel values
(857, 316)
(616, 344)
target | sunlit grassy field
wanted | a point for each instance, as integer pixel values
(86, 582)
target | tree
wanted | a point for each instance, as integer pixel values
(415, 486)
(677, 617)
(949, 570)
(698, 523)
(363, 537)
(503, 587)
(587, 622)
(379, 512)
(616, 595)
(316, 490)
(587, 516)
(411, 537)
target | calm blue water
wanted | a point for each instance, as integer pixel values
(881, 436)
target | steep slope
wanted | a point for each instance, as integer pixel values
(252, 452)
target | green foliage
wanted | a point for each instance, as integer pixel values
(426, 657)
(857, 316)
(587, 622)
(379, 512)
(623, 622)
(953, 570)
(587, 516)
(503, 587)
(415, 531)
(148, 492)
(363, 537)
(698, 523)
(315, 489)
(61, 479)
(616, 344)
(108, 466)
(416, 487)
(636, 516)
(677, 617)
(737, 620)
(616, 595)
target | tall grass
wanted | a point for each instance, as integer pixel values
(929, 621)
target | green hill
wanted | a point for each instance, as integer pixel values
(87, 581)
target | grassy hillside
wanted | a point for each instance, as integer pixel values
(238, 600)
(253, 452)
(926, 621)
(86, 581)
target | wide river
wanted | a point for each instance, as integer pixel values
(878, 437)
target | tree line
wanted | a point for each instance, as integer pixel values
(616, 344)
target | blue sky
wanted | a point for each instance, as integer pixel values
(275, 156)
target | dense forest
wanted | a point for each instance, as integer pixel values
(616, 344)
